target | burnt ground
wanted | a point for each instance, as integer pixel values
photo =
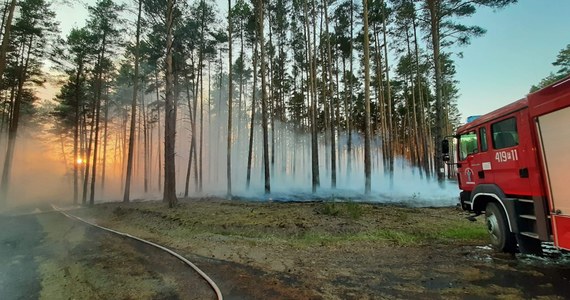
(45, 255)
(339, 251)
(396, 273)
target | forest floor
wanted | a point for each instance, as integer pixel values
(328, 250)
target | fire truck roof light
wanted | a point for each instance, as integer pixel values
(472, 118)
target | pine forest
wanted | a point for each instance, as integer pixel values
(173, 98)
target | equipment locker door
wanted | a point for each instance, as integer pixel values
(554, 133)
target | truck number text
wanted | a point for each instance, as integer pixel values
(505, 156)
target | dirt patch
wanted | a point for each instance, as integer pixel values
(335, 250)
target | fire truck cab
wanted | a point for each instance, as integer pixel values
(513, 165)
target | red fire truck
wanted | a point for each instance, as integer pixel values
(513, 165)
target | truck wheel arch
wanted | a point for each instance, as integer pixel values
(484, 199)
(485, 193)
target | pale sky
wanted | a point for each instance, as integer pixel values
(517, 51)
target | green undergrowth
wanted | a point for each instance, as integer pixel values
(295, 224)
(350, 209)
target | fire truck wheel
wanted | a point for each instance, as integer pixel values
(502, 239)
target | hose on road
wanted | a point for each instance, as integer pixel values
(186, 261)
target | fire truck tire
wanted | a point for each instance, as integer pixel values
(502, 239)
(528, 245)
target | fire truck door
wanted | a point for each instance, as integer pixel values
(483, 168)
(507, 159)
(554, 134)
(469, 165)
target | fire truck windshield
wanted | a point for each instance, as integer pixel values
(467, 145)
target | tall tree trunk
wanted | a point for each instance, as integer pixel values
(416, 139)
(210, 133)
(349, 104)
(219, 139)
(367, 162)
(116, 154)
(325, 80)
(82, 141)
(145, 138)
(159, 155)
(97, 118)
(434, 9)
(76, 159)
(200, 72)
(13, 129)
(313, 110)
(194, 118)
(315, 137)
(381, 100)
(193, 140)
(88, 161)
(150, 153)
(105, 133)
(252, 124)
(62, 145)
(230, 102)
(201, 141)
(260, 24)
(5, 113)
(194, 144)
(389, 99)
(6, 37)
(124, 145)
(271, 91)
(331, 98)
(337, 114)
(170, 118)
(424, 124)
(241, 85)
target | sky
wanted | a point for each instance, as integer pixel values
(517, 51)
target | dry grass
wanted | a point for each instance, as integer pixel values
(299, 224)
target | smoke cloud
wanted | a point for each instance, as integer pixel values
(43, 167)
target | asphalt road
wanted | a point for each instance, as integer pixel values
(45, 255)
(20, 240)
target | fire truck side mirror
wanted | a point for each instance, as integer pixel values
(445, 149)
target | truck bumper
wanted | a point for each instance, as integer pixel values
(465, 200)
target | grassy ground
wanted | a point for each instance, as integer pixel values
(296, 224)
(330, 248)
(271, 250)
